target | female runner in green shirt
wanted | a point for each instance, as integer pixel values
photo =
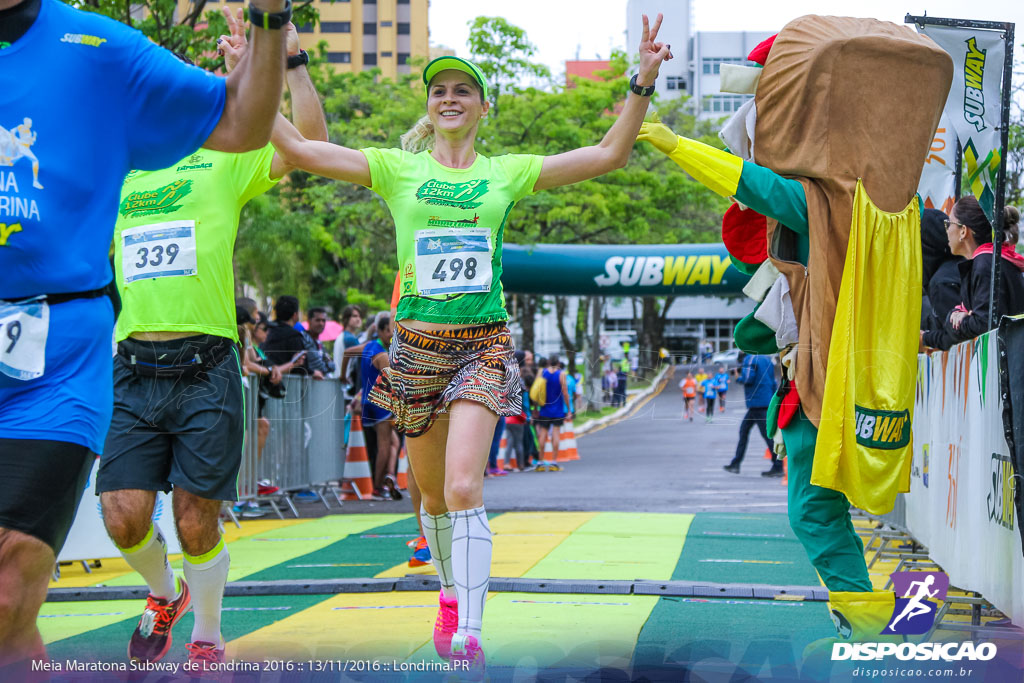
(452, 351)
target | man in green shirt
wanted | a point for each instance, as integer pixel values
(179, 410)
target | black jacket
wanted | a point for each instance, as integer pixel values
(975, 279)
(943, 291)
(283, 342)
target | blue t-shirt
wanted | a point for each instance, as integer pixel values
(710, 387)
(85, 99)
(372, 413)
(722, 381)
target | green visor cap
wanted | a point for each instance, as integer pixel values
(444, 63)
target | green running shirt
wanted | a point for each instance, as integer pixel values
(449, 224)
(175, 238)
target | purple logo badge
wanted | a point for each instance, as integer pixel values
(915, 608)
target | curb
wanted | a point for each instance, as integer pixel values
(632, 402)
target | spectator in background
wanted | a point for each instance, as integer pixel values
(608, 383)
(570, 382)
(757, 375)
(316, 319)
(284, 343)
(551, 415)
(970, 235)
(378, 424)
(492, 458)
(940, 274)
(620, 384)
(528, 370)
(351, 321)
(516, 425)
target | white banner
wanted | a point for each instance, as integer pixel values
(974, 106)
(938, 179)
(960, 504)
(88, 538)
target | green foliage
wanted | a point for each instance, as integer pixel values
(193, 34)
(503, 53)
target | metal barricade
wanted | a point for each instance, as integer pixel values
(306, 445)
(247, 486)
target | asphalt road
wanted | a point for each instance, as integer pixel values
(651, 461)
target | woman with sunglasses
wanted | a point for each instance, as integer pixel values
(970, 235)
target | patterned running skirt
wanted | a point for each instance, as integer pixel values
(429, 370)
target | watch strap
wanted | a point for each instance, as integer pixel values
(301, 59)
(270, 21)
(641, 90)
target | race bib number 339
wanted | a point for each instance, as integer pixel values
(158, 250)
(453, 261)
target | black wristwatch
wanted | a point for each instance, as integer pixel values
(270, 20)
(641, 90)
(301, 59)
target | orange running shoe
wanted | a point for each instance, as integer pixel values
(152, 637)
(421, 553)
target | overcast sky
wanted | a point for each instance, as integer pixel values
(561, 29)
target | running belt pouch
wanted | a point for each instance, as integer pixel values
(194, 356)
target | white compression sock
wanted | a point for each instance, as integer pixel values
(149, 558)
(437, 529)
(471, 565)
(206, 576)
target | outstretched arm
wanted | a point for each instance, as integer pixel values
(613, 150)
(253, 92)
(306, 108)
(322, 158)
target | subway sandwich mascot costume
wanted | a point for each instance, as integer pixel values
(824, 167)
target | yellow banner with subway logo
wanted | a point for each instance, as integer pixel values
(863, 447)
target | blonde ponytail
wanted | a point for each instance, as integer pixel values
(419, 137)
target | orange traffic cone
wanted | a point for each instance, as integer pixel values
(785, 471)
(566, 446)
(403, 470)
(767, 454)
(502, 450)
(358, 482)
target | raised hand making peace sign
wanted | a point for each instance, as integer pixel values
(652, 53)
(232, 47)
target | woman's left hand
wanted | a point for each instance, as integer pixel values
(957, 318)
(652, 53)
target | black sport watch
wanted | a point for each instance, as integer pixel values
(301, 59)
(270, 20)
(641, 90)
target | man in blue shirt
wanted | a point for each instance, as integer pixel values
(757, 376)
(86, 99)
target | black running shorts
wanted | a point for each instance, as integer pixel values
(185, 432)
(41, 484)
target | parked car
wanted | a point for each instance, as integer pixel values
(728, 358)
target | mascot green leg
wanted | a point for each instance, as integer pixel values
(820, 517)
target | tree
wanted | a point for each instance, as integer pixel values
(193, 34)
(503, 53)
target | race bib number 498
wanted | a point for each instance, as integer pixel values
(159, 250)
(453, 261)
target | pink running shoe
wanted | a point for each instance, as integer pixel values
(445, 626)
(203, 659)
(467, 657)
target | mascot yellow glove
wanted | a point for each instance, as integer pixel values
(714, 168)
(659, 135)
